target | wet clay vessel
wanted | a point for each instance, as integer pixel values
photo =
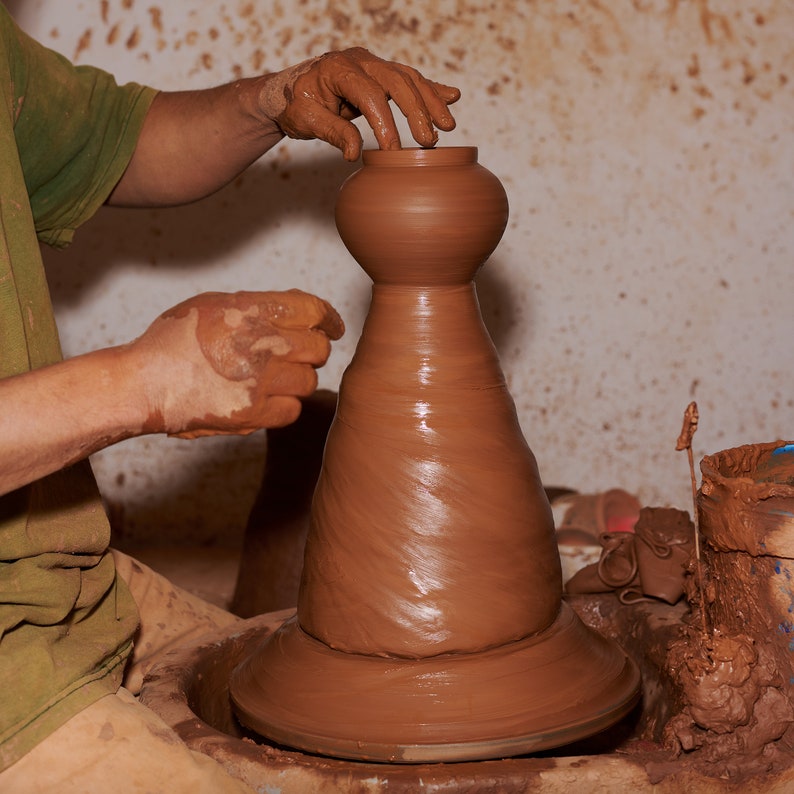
(430, 622)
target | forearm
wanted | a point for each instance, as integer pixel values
(193, 143)
(57, 415)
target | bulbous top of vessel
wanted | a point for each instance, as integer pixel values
(421, 217)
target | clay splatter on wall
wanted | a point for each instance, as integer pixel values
(694, 50)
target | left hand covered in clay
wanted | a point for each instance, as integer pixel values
(223, 363)
(319, 97)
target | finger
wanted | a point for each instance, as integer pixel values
(285, 379)
(298, 309)
(325, 125)
(281, 411)
(373, 104)
(448, 93)
(202, 432)
(437, 97)
(301, 347)
(270, 411)
(406, 92)
(423, 103)
(352, 85)
(346, 136)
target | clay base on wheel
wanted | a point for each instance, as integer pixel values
(554, 688)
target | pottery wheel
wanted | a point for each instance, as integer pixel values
(461, 708)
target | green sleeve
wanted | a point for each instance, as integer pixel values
(75, 129)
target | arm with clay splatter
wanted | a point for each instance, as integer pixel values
(216, 364)
(195, 142)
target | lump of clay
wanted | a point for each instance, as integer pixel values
(733, 701)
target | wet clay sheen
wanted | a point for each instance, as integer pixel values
(430, 622)
(429, 517)
(449, 518)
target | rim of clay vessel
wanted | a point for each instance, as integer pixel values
(744, 504)
(416, 156)
(748, 463)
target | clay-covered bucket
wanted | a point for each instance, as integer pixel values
(747, 499)
(746, 510)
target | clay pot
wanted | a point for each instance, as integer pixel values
(430, 624)
(422, 217)
(429, 508)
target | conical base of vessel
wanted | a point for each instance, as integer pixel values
(556, 687)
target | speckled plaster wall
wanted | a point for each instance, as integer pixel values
(647, 150)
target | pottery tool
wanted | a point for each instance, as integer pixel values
(684, 441)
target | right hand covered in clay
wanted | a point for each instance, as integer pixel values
(319, 97)
(223, 363)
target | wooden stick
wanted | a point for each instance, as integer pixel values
(688, 429)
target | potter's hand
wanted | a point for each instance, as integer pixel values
(317, 99)
(234, 363)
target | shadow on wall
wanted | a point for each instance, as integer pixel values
(204, 500)
(497, 303)
(13, 6)
(201, 234)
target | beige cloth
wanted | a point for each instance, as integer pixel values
(170, 616)
(117, 744)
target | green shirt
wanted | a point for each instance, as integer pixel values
(66, 621)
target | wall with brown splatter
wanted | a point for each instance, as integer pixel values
(647, 150)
